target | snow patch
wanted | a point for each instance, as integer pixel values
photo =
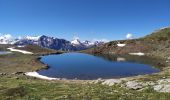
(121, 45)
(35, 38)
(37, 75)
(138, 54)
(22, 51)
(20, 46)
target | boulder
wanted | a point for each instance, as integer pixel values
(162, 88)
(164, 81)
(134, 85)
(111, 82)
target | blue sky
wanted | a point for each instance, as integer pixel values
(86, 19)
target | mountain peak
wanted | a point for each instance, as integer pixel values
(75, 42)
(6, 39)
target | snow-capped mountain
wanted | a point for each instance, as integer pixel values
(88, 43)
(75, 42)
(94, 43)
(78, 44)
(28, 40)
(55, 43)
(6, 39)
(49, 42)
(97, 43)
(85, 44)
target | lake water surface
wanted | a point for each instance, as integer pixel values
(4, 52)
(84, 66)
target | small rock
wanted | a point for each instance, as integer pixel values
(17, 78)
(164, 77)
(75, 78)
(162, 81)
(3, 74)
(168, 58)
(18, 73)
(99, 79)
(150, 83)
(62, 79)
(162, 88)
(134, 85)
(111, 82)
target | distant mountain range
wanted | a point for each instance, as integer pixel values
(52, 43)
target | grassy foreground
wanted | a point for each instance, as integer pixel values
(24, 88)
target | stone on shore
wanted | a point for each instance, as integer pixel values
(162, 88)
(111, 82)
(134, 85)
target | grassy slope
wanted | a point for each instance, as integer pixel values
(38, 50)
(18, 62)
(157, 41)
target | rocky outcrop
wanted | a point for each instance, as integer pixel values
(162, 85)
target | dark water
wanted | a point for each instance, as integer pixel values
(84, 66)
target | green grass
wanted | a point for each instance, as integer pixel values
(161, 35)
(38, 50)
(34, 89)
(17, 62)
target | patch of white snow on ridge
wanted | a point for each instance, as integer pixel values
(138, 54)
(121, 45)
(20, 46)
(35, 38)
(37, 75)
(22, 51)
